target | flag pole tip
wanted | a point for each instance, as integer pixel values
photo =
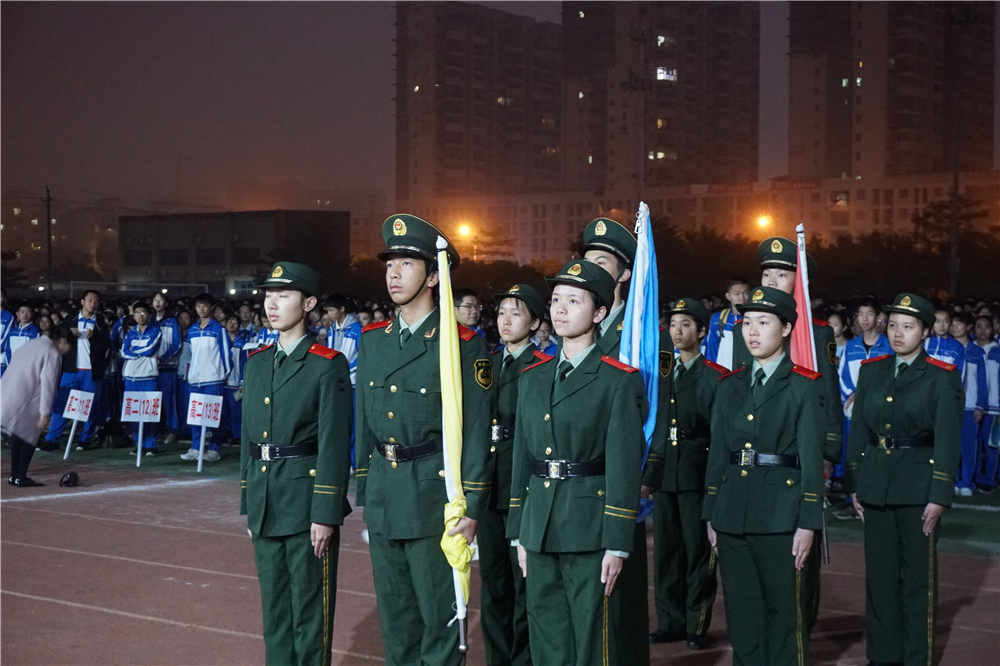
(441, 244)
(799, 228)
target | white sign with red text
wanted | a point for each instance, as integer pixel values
(204, 410)
(78, 406)
(142, 406)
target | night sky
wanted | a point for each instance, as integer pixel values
(108, 98)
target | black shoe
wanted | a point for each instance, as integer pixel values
(27, 482)
(698, 642)
(657, 637)
(46, 445)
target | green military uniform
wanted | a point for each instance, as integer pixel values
(504, 609)
(295, 462)
(578, 446)
(764, 481)
(683, 559)
(903, 453)
(400, 475)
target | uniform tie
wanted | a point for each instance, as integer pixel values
(901, 369)
(404, 335)
(681, 369)
(758, 381)
(279, 358)
(508, 360)
(564, 369)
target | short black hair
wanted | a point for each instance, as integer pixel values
(338, 301)
(964, 317)
(142, 304)
(460, 294)
(204, 297)
(90, 291)
(869, 302)
(57, 333)
(735, 280)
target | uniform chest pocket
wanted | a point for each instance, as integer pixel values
(422, 404)
(375, 396)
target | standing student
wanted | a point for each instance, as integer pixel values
(839, 327)
(344, 331)
(168, 359)
(976, 400)
(468, 310)
(209, 366)
(232, 398)
(294, 472)
(901, 466)
(23, 330)
(764, 483)
(578, 447)
(544, 340)
(400, 473)
(6, 323)
(986, 470)
(683, 560)
(940, 345)
(718, 342)
(140, 347)
(504, 618)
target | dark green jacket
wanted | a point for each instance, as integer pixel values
(826, 360)
(599, 416)
(686, 405)
(927, 399)
(504, 415)
(785, 418)
(399, 402)
(307, 399)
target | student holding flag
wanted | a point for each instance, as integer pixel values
(578, 448)
(505, 620)
(399, 438)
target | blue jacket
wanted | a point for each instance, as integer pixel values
(139, 351)
(947, 349)
(850, 363)
(6, 324)
(19, 335)
(345, 340)
(974, 378)
(170, 343)
(211, 361)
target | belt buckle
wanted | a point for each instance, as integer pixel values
(883, 442)
(266, 452)
(390, 452)
(747, 458)
(673, 433)
(496, 432)
(556, 469)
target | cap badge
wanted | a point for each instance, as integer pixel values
(515, 289)
(398, 227)
(601, 228)
(758, 295)
(575, 270)
(277, 272)
(680, 304)
(776, 246)
(905, 302)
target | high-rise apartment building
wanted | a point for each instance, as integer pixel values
(478, 96)
(659, 93)
(878, 88)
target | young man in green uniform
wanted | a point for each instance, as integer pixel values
(578, 447)
(504, 619)
(612, 247)
(295, 461)
(765, 487)
(902, 458)
(400, 473)
(683, 560)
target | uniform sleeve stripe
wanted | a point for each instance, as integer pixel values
(324, 492)
(320, 485)
(617, 515)
(623, 510)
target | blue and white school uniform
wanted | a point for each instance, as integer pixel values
(211, 362)
(976, 398)
(140, 371)
(855, 354)
(167, 380)
(718, 343)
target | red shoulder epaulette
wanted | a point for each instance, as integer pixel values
(805, 372)
(256, 351)
(732, 372)
(714, 366)
(875, 358)
(325, 352)
(466, 333)
(663, 328)
(535, 365)
(376, 325)
(820, 322)
(542, 355)
(941, 364)
(618, 364)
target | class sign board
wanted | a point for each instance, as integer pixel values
(204, 410)
(78, 405)
(142, 406)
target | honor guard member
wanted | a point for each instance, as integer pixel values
(764, 486)
(294, 470)
(683, 560)
(901, 464)
(612, 247)
(578, 447)
(400, 472)
(505, 620)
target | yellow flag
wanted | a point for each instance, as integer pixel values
(456, 548)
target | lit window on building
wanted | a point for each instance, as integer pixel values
(666, 74)
(660, 154)
(17, 211)
(416, 88)
(34, 222)
(590, 159)
(550, 150)
(844, 83)
(665, 40)
(661, 123)
(651, 154)
(581, 15)
(580, 94)
(858, 82)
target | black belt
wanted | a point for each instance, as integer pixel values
(564, 469)
(269, 452)
(751, 458)
(681, 434)
(397, 453)
(889, 442)
(501, 433)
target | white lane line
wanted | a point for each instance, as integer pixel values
(175, 623)
(977, 507)
(108, 491)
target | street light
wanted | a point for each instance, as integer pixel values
(764, 221)
(464, 230)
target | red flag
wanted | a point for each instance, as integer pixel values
(803, 347)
